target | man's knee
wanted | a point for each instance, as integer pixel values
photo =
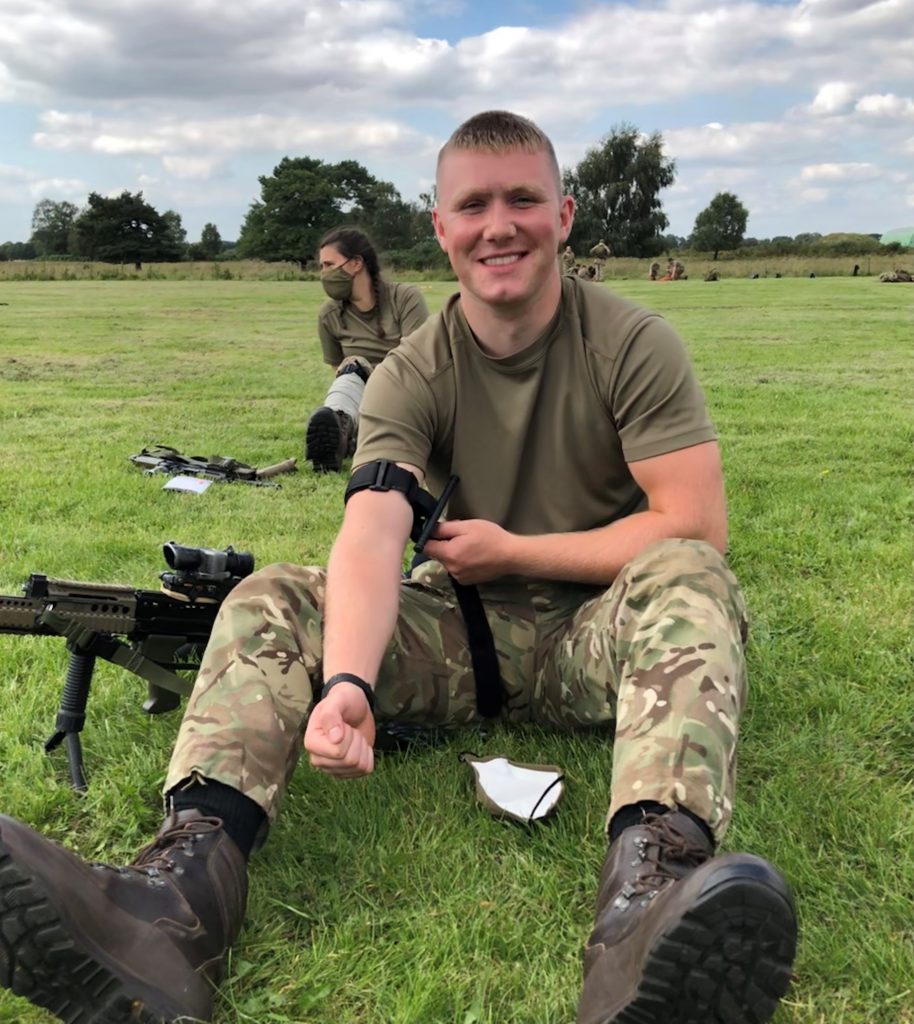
(676, 555)
(692, 572)
(282, 582)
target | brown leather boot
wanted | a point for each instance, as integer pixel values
(683, 937)
(142, 944)
(330, 438)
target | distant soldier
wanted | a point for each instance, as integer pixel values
(897, 276)
(654, 272)
(568, 261)
(714, 275)
(588, 273)
(600, 253)
(856, 270)
(676, 270)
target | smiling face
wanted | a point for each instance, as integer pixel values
(501, 219)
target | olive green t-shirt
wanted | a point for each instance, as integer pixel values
(541, 439)
(344, 331)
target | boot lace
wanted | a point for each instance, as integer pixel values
(157, 856)
(158, 853)
(668, 854)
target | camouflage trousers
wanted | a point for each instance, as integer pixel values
(656, 660)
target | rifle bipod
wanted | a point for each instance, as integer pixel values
(71, 716)
(85, 645)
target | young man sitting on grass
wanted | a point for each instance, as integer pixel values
(590, 517)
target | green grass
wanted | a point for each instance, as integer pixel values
(740, 264)
(396, 899)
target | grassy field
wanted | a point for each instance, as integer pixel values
(397, 900)
(729, 266)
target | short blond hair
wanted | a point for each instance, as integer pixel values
(500, 131)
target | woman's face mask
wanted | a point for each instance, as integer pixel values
(337, 283)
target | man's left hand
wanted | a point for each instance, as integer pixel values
(472, 550)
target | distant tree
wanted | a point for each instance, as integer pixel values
(125, 229)
(51, 225)
(617, 191)
(721, 225)
(847, 243)
(670, 242)
(210, 241)
(18, 251)
(176, 233)
(807, 238)
(304, 198)
(389, 221)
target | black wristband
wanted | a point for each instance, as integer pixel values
(348, 677)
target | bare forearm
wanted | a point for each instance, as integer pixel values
(597, 556)
(363, 594)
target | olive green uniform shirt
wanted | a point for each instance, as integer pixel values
(540, 439)
(344, 331)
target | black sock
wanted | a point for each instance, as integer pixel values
(241, 817)
(633, 814)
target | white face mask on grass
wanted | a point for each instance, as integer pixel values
(509, 789)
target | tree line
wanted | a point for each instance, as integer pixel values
(616, 187)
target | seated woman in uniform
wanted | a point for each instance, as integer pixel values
(363, 319)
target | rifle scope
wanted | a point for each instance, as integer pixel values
(208, 563)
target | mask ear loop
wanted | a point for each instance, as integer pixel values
(554, 782)
(464, 754)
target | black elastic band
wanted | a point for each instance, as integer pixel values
(349, 677)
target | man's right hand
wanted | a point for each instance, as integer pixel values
(340, 734)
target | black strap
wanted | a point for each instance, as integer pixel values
(384, 475)
(349, 677)
(484, 657)
(360, 371)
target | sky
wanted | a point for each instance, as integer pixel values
(802, 108)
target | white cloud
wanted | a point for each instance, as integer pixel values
(885, 105)
(832, 98)
(840, 172)
(25, 186)
(348, 50)
(172, 138)
(194, 168)
(756, 141)
(9, 172)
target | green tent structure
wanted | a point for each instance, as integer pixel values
(904, 236)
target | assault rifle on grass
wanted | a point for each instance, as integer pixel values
(153, 634)
(160, 459)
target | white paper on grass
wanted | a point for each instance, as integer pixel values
(519, 790)
(187, 483)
